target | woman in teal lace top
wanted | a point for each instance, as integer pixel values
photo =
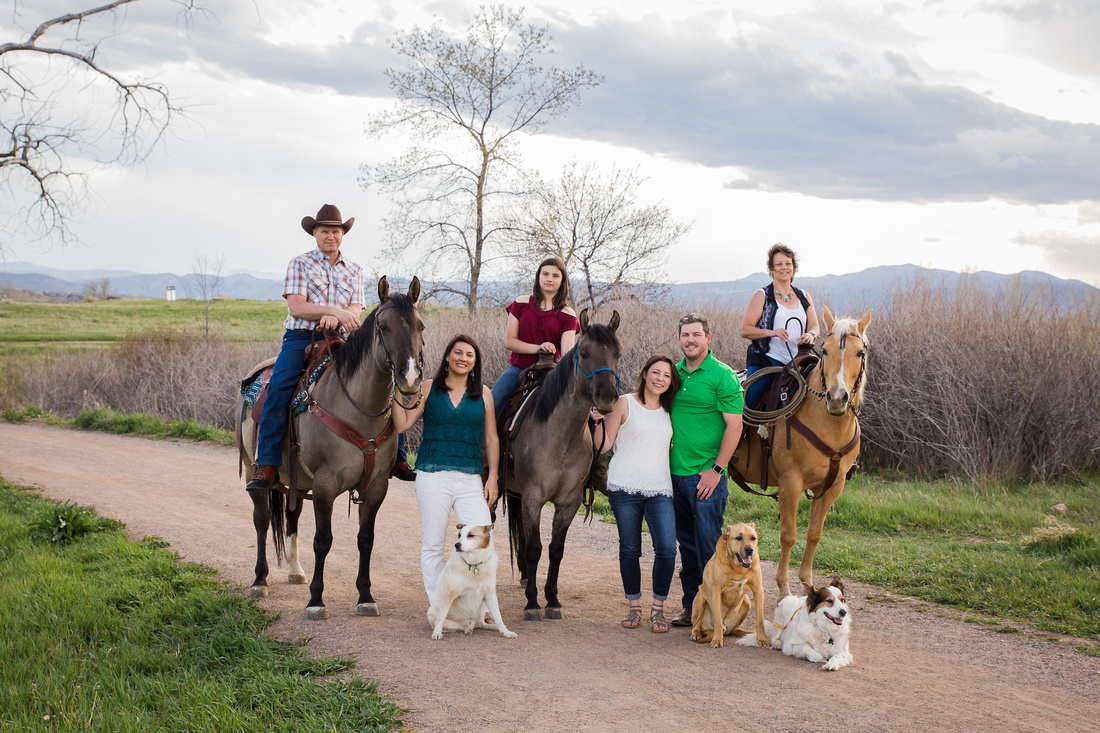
(459, 424)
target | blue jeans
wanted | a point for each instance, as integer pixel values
(507, 384)
(289, 366)
(756, 389)
(693, 515)
(657, 510)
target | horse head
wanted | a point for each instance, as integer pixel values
(400, 331)
(844, 362)
(597, 359)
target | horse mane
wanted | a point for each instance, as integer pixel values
(349, 358)
(556, 382)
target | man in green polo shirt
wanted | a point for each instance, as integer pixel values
(706, 427)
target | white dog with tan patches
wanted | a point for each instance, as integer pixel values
(468, 586)
(813, 627)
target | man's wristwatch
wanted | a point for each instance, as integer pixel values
(718, 469)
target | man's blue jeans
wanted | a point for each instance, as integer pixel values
(696, 516)
(657, 510)
(507, 384)
(289, 366)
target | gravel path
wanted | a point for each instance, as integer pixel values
(917, 666)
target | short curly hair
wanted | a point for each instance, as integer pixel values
(780, 248)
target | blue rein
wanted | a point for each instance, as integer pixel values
(588, 377)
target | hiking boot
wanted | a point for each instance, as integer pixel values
(264, 477)
(681, 619)
(402, 471)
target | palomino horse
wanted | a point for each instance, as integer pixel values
(822, 446)
(346, 442)
(553, 453)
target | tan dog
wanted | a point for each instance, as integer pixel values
(723, 602)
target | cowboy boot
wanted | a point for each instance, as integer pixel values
(263, 477)
(402, 471)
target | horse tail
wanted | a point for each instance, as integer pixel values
(276, 505)
(515, 531)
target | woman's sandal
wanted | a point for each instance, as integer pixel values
(633, 618)
(657, 619)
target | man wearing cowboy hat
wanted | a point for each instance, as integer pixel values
(323, 291)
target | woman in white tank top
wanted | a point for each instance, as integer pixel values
(639, 483)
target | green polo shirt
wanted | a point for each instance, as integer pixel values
(697, 422)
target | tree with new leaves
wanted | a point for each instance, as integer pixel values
(612, 245)
(63, 112)
(464, 101)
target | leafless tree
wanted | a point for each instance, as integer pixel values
(98, 289)
(56, 124)
(203, 284)
(612, 245)
(463, 101)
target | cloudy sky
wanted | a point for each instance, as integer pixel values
(946, 133)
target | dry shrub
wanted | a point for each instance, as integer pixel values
(990, 384)
(168, 374)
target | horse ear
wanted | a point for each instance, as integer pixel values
(584, 320)
(383, 290)
(613, 324)
(865, 320)
(827, 316)
(414, 289)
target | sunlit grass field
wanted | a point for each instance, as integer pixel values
(101, 633)
(37, 324)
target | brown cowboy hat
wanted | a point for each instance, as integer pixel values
(327, 215)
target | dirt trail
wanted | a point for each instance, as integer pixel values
(917, 666)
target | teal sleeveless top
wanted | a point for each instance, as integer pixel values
(452, 435)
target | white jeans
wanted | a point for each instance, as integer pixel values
(437, 492)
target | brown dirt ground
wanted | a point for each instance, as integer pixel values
(917, 665)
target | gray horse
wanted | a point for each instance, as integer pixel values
(552, 451)
(346, 442)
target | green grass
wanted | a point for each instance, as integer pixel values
(26, 327)
(985, 549)
(149, 425)
(107, 634)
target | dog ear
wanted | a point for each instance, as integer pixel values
(460, 526)
(837, 583)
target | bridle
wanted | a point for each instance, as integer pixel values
(588, 377)
(859, 378)
(393, 373)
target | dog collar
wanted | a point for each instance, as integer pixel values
(474, 568)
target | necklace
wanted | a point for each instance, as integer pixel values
(785, 298)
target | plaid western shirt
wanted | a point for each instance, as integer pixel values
(321, 283)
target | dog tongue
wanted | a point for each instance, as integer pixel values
(745, 562)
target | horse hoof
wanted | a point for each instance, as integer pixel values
(316, 613)
(532, 614)
(257, 591)
(296, 578)
(366, 609)
(553, 612)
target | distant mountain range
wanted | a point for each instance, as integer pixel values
(839, 291)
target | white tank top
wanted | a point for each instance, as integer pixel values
(792, 319)
(640, 463)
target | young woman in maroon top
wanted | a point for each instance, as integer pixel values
(538, 322)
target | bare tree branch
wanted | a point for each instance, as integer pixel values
(54, 128)
(594, 223)
(464, 101)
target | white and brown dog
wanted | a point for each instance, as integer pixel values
(814, 627)
(467, 585)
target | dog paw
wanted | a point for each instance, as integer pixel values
(716, 642)
(763, 641)
(437, 634)
(509, 634)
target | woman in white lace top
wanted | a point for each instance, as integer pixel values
(639, 483)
